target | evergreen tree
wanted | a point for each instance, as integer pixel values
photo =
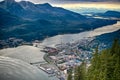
(69, 76)
(104, 65)
(80, 72)
(115, 47)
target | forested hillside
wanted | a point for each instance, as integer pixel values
(105, 65)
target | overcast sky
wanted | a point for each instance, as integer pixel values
(69, 1)
(80, 3)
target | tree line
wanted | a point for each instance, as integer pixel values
(105, 65)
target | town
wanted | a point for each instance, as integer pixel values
(63, 56)
(66, 56)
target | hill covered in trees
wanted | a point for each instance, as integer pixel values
(105, 65)
(28, 21)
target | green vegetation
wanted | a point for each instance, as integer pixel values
(80, 72)
(105, 65)
(69, 76)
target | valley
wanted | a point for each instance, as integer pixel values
(46, 42)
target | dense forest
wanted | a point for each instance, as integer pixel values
(105, 65)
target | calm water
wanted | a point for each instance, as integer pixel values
(12, 69)
(66, 38)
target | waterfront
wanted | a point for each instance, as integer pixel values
(68, 47)
(69, 50)
(12, 69)
(66, 38)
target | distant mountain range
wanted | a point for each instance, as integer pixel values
(108, 38)
(28, 21)
(114, 14)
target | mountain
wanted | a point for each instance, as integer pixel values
(28, 10)
(12, 7)
(109, 14)
(28, 21)
(108, 38)
(7, 19)
(112, 14)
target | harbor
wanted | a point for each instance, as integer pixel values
(55, 56)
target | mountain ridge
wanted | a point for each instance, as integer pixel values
(35, 23)
(112, 14)
(34, 11)
(109, 14)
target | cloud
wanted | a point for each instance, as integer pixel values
(86, 0)
(68, 1)
(72, 0)
(91, 0)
